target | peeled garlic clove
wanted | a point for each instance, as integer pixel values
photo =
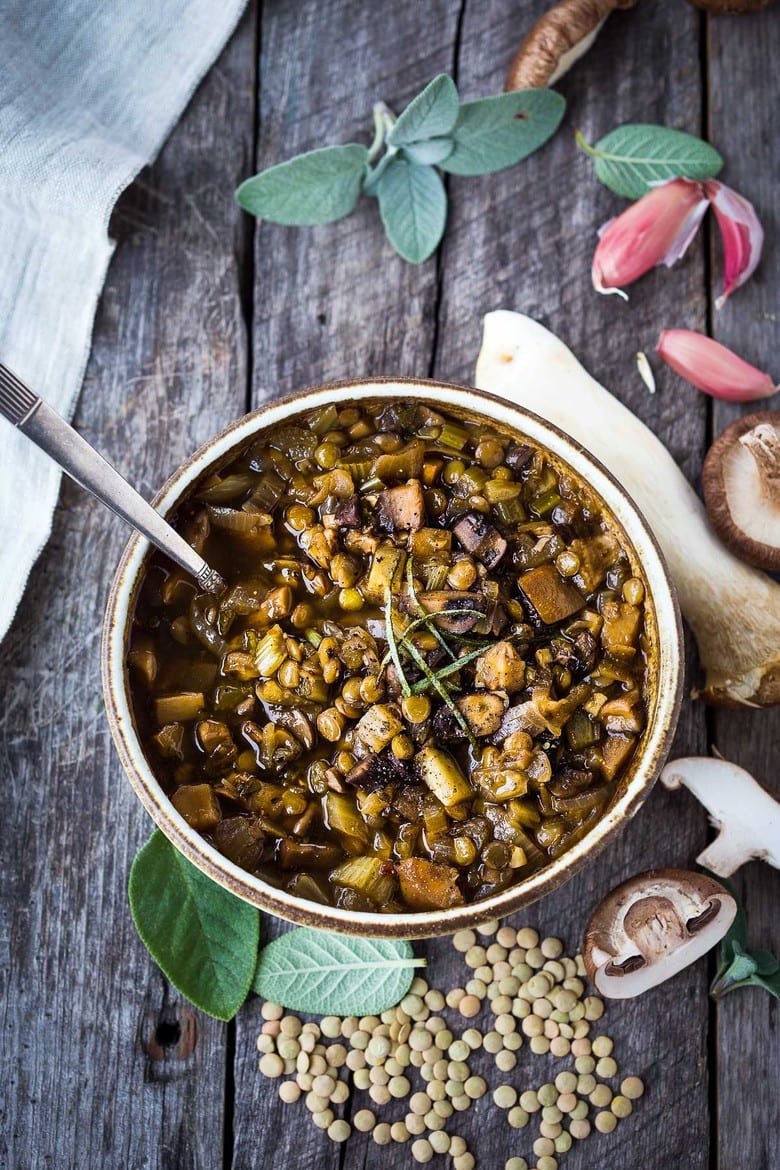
(742, 235)
(711, 367)
(657, 229)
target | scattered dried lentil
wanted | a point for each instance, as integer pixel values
(515, 976)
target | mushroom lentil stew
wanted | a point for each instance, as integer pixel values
(426, 677)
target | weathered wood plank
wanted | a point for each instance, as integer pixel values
(747, 1021)
(336, 300)
(103, 1064)
(524, 239)
(330, 302)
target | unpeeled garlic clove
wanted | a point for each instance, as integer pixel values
(742, 235)
(711, 367)
(657, 229)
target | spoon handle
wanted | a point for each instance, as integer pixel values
(49, 431)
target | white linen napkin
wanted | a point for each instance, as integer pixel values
(89, 89)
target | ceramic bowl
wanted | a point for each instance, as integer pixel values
(663, 628)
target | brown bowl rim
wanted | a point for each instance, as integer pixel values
(646, 765)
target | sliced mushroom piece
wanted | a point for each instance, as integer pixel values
(378, 770)
(746, 815)
(741, 484)
(347, 513)
(480, 537)
(653, 926)
(482, 711)
(578, 656)
(457, 609)
(401, 508)
(550, 596)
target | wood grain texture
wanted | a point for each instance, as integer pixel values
(103, 1065)
(748, 1048)
(330, 302)
(524, 239)
(336, 300)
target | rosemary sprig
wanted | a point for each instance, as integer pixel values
(426, 619)
(451, 668)
(443, 693)
(418, 606)
(392, 646)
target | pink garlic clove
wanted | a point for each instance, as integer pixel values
(711, 367)
(742, 235)
(657, 229)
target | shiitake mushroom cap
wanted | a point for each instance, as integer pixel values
(728, 469)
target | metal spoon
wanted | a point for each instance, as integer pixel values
(49, 431)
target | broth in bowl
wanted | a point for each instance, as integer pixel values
(427, 675)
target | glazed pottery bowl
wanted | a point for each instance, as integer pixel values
(664, 657)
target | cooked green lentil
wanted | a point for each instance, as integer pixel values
(424, 681)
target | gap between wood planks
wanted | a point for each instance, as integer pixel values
(247, 299)
(712, 959)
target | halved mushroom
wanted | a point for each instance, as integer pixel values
(653, 926)
(741, 484)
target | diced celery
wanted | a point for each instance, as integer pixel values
(510, 511)
(543, 504)
(453, 435)
(345, 821)
(385, 573)
(442, 775)
(364, 874)
(377, 727)
(271, 652)
(324, 419)
(181, 708)
(580, 731)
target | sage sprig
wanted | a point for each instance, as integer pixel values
(202, 937)
(632, 158)
(330, 974)
(740, 967)
(399, 168)
(205, 941)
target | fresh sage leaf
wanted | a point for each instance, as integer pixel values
(431, 152)
(497, 132)
(332, 974)
(631, 158)
(202, 937)
(740, 967)
(766, 963)
(413, 207)
(435, 130)
(374, 174)
(318, 187)
(431, 114)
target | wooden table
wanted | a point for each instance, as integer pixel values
(206, 314)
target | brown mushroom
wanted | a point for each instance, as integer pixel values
(653, 926)
(557, 40)
(741, 484)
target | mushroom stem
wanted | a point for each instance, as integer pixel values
(734, 610)
(763, 443)
(557, 40)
